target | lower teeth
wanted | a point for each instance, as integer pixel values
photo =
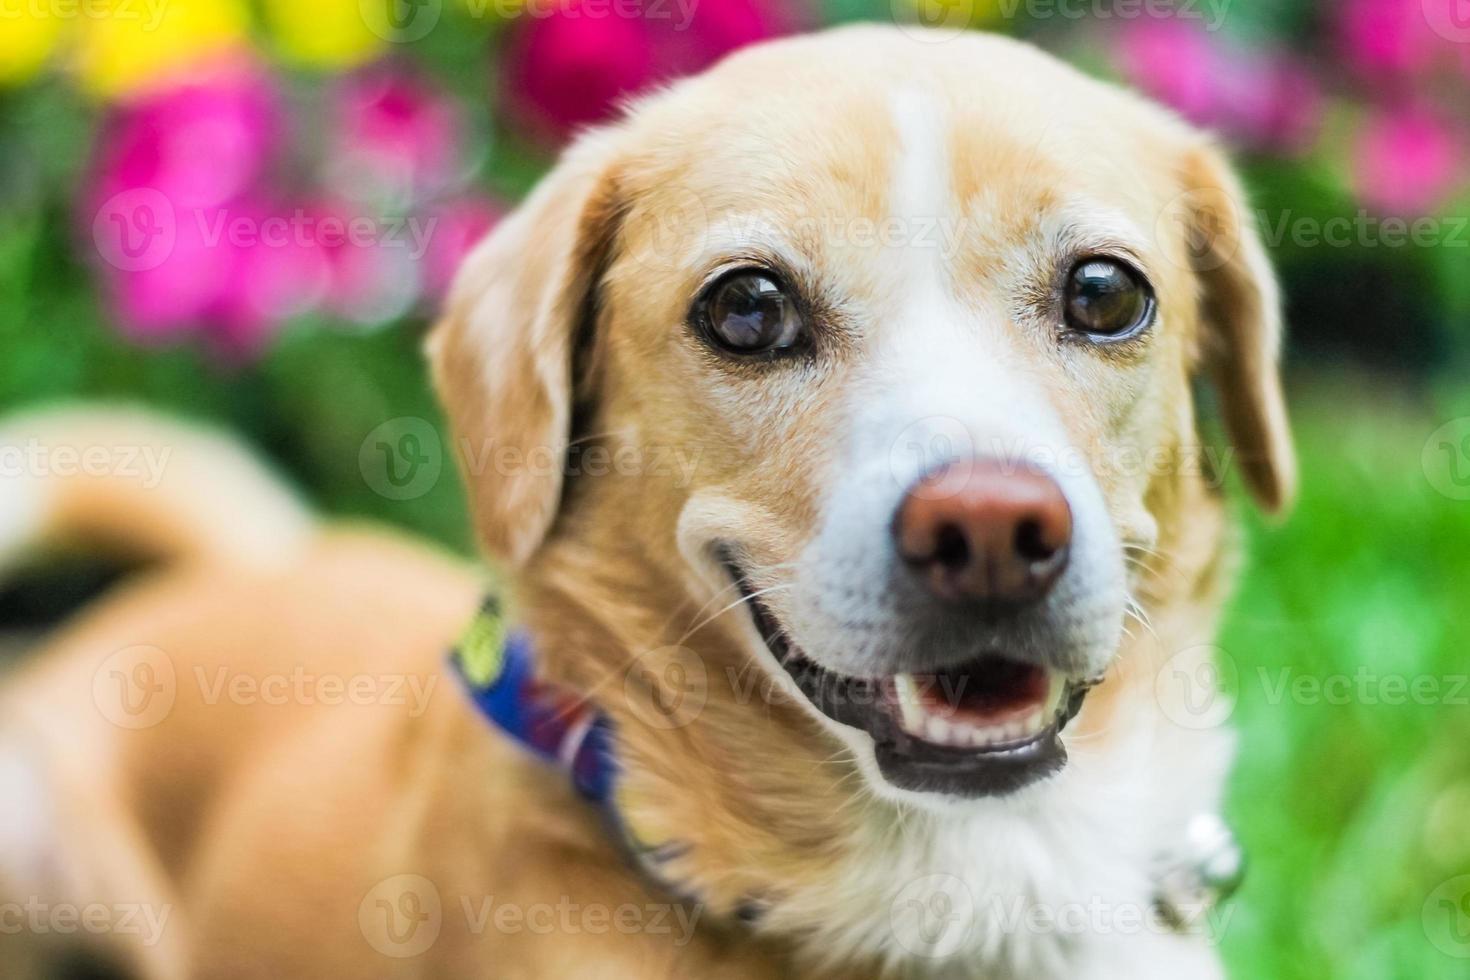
(917, 719)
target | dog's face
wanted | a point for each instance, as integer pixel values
(895, 340)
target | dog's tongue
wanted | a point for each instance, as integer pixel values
(990, 691)
(987, 702)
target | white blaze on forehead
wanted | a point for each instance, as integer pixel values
(919, 195)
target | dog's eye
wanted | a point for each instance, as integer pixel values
(1107, 300)
(750, 313)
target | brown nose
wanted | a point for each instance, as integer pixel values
(983, 529)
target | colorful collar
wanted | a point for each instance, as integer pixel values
(562, 727)
(554, 723)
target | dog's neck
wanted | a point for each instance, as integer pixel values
(764, 812)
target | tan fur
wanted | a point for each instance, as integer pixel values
(268, 826)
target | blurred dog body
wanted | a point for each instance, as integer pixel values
(192, 744)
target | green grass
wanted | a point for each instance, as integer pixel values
(1354, 809)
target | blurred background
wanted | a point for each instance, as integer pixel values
(246, 211)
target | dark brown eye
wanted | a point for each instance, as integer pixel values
(751, 313)
(1108, 300)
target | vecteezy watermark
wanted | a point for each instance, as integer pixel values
(138, 686)
(667, 687)
(401, 21)
(581, 459)
(141, 920)
(942, 20)
(139, 229)
(1450, 19)
(568, 917)
(135, 687)
(403, 916)
(1364, 686)
(1211, 13)
(1362, 229)
(1446, 917)
(149, 13)
(406, 21)
(934, 440)
(401, 459)
(932, 916)
(1098, 916)
(300, 686)
(1445, 459)
(1195, 687)
(36, 458)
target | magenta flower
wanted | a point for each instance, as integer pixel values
(395, 137)
(1261, 98)
(1175, 63)
(1406, 162)
(1387, 37)
(171, 169)
(566, 67)
(200, 143)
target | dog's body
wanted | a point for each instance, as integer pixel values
(324, 835)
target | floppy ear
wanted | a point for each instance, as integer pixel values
(1241, 313)
(503, 355)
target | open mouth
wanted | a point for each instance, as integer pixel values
(985, 726)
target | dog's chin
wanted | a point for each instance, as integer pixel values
(985, 726)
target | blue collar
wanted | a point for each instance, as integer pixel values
(552, 722)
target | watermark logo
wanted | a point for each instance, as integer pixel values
(662, 237)
(135, 687)
(924, 445)
(1194, 688)
(1446, 917)
(1207, 221)
(932, 916)
(402, 458)
(401, 916)
(1450, 19)
(1446, 459)
(136, 230)
(935, 20)
(144, 922)
(667, 688)
(401, 21)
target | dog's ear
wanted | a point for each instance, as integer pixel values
(1240, 306)
(505, 354)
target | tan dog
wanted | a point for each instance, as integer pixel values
(888, 340)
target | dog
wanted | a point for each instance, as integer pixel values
(838, 420)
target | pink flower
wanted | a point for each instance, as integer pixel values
(395, 136)
(200, 143)
(1269, 102)
(173, 170)
(1401, 37)
(1258, 97)
(1175, 63)
(452, 230)
(371, 276)
(566, 66)
(1406, 162)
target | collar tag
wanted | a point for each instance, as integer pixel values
(1199, 874)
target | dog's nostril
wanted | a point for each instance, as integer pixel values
(951, 548)
(1030, 542)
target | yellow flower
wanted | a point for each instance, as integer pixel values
(29, 30)
(126, 44)
(340, 33)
